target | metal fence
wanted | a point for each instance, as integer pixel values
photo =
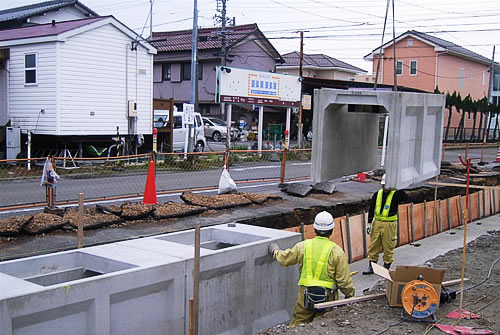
(125, 176)
(471, 135)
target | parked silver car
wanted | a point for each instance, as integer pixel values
(217, 129)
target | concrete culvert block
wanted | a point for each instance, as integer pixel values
(325, 187)
(298, 190)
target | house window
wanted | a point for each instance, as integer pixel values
(186, 71)
(413, 68)
(409, 42)
(461, 78)
(484, 77)
(496, 81)
(495, 100)
(166, 72)
(30, 69)
(471, 74)
(399, 68)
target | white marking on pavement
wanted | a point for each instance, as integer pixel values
(256, 167)
(308, 163)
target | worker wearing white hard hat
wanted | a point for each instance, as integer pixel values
(323, 270)
(383, 224)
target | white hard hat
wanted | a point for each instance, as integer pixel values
(324, 221)
(382, 182)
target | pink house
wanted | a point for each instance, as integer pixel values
(426, 62)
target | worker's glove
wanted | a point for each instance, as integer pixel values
(273, 247)
(369, 228)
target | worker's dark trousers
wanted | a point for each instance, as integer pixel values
(383, 236)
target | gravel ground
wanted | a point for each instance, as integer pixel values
(373, 317)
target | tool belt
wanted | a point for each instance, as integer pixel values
(315, 295)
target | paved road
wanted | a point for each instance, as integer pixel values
(29, 191)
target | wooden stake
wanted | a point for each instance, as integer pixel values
(80, 220)
(365, 251)
(466, 218)
(348, 228)
(412, 224)
(408, 223)
(435, 216)
(191, 315)
(425, 219)
(196, 279)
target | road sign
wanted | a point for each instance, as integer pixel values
(244, 86)
(188, 113)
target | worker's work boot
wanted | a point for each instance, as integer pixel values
(387, 265)
(370, 269)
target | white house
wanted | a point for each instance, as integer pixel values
(76, 81)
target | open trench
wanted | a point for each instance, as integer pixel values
(417, 195)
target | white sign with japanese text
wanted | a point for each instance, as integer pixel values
(244, 86)
(188, 113)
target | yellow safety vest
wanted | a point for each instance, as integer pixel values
(384, 216)
(315, 263)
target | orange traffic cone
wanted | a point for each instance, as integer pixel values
(150, 189)
(498, 155)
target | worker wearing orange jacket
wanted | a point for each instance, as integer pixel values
(323, 270)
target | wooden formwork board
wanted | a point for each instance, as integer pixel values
(431, 219)
(473, 208)
(339, 235)
(418, 221)
(404, 224)
(487, 203)
(455, 213)
(444, 214)
(356, 233)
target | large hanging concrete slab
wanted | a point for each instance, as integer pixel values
(415, 138)
(343, 142)
(345, 134)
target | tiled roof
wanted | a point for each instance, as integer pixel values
(318, 60)
(208, 38)
(45, 29)
(447, 45)
(20, 13)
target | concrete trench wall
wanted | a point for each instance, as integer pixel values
(143, 286)
(415, 221)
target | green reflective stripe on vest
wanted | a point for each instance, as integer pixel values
(316, 254)
(387, 206)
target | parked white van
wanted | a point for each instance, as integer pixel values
(161, 118)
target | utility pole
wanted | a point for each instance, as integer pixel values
(394, 49)
(223, 33)
(490, 88)
(492, 72)
(301, 65)
(151, 20)
(194, 67)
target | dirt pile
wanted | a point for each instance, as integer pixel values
(372, 317)
(128, 213)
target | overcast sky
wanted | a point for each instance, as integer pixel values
(343, 29)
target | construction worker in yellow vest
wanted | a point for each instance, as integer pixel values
(383, 225)
(323, 270)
